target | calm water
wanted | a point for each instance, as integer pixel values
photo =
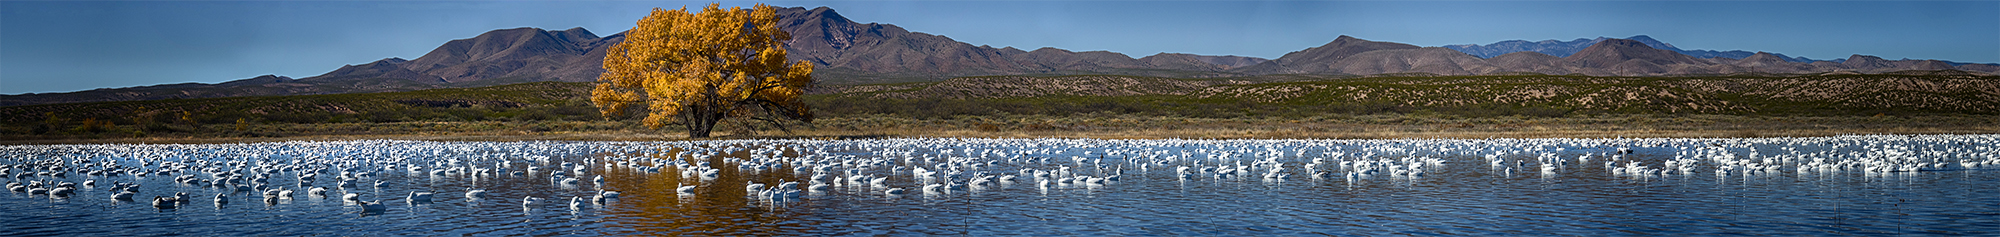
(1858, 185)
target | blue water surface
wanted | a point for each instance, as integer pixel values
(1848, 185)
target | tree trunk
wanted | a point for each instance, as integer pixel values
(699, 127)
(704, 120)
(698, 131)
(703, 114)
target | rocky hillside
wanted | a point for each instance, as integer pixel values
(848, 52)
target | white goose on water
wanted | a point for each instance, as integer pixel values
(933, 188)
(62, 191)
(164, 203)
(375, 206)
(602, 195)
(530, 201)
(685, 190)
(419, 197)
(475, 193)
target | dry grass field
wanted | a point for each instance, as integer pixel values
(1515, 106)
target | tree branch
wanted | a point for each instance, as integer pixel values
(774, 123)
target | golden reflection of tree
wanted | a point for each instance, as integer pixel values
(650, 205)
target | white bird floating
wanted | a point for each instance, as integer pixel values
(376, 206)
(419, 196)
(603, 195)
(165, 202)
(944, 165)
(475, 193)
(685, 190)
(530, 201)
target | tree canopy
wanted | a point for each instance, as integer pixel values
(696, 69)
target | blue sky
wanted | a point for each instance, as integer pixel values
(71, 46)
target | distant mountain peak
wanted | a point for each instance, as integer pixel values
(1614, 52)
(1654, 43)
(1345, 40)
(825, 12)
(524, 52)
(1334, 58)
(385, 61)
(1341, 47)
(271, 77)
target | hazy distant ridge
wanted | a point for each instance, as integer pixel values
(1565, 48)
(848, 52)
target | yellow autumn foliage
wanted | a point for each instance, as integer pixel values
(695, 69)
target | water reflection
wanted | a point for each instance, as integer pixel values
(1845, 185)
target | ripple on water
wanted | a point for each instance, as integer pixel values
(1460, 196)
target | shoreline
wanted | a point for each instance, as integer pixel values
(1351, 132)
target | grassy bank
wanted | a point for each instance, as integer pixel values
(1095, 106)
(1109, 126)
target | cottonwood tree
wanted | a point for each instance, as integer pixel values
(697, 69)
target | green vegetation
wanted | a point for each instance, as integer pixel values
(1116, 106)
(1453, 96)
(239, 116)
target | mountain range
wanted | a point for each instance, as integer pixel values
(848, 52)
(1565, 48)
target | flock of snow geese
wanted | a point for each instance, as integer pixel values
(932, 166)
